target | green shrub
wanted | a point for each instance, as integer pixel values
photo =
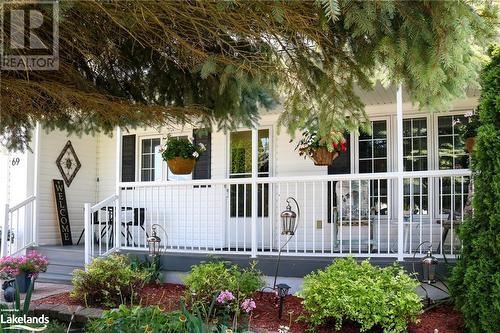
(137, 319)
(206, 281)
(475, 280)
(363, 293)
(108, 281)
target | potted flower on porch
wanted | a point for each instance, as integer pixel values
(321, 149)
(23, 268)
(181, 154)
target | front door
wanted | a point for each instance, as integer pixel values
(240, 195)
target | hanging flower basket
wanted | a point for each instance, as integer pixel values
(181, 154)
(181, 166)
(322, 156)
(469, 144)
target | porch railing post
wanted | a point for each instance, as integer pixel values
(118, 205)
(400, 198)
(88, 234)
(255, 156)
(5, 230)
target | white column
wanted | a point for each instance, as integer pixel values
(34, 231)
(399, 127)
(118, 176)
(255, 157)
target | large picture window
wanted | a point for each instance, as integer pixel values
(240, 166)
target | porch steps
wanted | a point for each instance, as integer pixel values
(62, 262)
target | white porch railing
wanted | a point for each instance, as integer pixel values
(99, 224)
(18, 232)
(355, 214)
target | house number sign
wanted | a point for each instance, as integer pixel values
(62, 212)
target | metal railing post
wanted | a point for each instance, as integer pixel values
(88, 234)
(5, 230)
(118, 173)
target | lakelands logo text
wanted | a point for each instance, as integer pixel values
(30, 35)
(11, 321)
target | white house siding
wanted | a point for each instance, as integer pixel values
(82, 189)
(106, 166)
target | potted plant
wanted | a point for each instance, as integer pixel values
(468, 130)
(322, 150)
(181, 154)
(23, 268)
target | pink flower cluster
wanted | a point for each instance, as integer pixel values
(248, 305)
(32, 262)
(224, 296)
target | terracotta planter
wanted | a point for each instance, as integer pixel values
(181, 166)
(469, 144)
(322, 156)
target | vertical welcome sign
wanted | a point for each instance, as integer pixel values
(62, 212)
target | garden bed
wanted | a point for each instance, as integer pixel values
(265, 316)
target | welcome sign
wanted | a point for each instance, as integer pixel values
(62, 212)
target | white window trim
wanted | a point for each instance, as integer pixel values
(139, 156)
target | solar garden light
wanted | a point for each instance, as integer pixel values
(283, 289)
(154, 242)
(429, 267)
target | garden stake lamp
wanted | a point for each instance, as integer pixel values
(429, 266)
(154, 244)
(283, 289)
(289, 223)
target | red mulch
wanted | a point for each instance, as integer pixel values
(444, 317)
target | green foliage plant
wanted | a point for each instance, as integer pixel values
(470, 127)
(181, 147)
(475, 279)
(368, 295)
(108, 281)
(206, 281)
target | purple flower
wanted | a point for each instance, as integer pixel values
(248, 305)
(224, 296)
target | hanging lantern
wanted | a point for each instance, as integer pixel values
(288, 218)
(429, 266)
(154, 243)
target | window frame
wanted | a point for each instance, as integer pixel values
(139, 155)
(355, 150)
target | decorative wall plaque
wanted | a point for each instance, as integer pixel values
(68, 163)
(62, 212)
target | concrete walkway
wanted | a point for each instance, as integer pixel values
(43, 290)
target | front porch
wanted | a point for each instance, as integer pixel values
(362, 215)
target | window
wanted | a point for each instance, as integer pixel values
(415, 159)
(451, 150)
(452, 155)
(151, 161)
(240, 166)
(373, 149)
(373, 157)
